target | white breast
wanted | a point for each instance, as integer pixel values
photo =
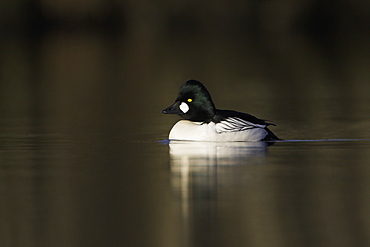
(197, 131)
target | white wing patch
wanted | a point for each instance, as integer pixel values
(233, 124)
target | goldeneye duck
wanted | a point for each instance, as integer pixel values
(203, 122)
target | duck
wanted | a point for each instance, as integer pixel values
(201, 121)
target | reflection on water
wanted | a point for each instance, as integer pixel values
(194, 165)
(214, 153)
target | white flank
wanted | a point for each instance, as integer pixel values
(197, 131)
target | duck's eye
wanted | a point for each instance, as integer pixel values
(189, 100)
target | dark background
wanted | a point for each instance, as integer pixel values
(82, 84)
(305, 59)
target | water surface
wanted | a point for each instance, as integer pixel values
(83, 161)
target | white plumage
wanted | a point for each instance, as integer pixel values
(231, 129)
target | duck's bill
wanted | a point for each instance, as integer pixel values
(173, 109)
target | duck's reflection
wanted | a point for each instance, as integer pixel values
(214, 153)
(197, 167)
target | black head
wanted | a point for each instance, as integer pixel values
(193, 103)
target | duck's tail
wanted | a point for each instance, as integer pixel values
(270, 137)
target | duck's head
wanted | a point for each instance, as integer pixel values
(193, 103)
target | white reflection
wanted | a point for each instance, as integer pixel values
(195, 165)
(212, 153)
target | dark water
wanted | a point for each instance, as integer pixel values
(83, 161)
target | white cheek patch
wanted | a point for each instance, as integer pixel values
(184, 107)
